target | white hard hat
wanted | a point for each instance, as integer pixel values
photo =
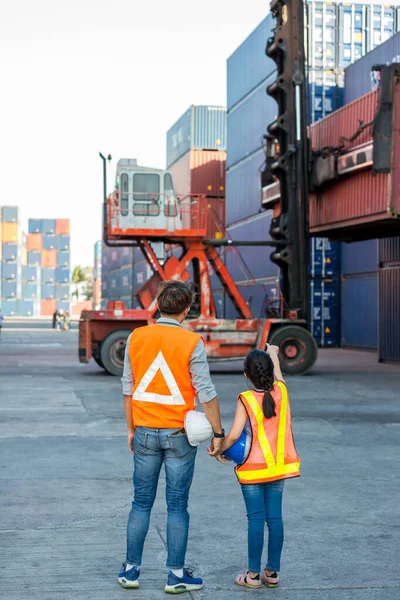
(197, 427)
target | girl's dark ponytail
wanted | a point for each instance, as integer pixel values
(259, 368)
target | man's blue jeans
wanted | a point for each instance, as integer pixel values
(264, 505)
(152, 448)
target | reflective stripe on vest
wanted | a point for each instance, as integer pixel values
(278, 468)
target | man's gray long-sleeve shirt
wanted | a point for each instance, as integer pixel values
(198, 367)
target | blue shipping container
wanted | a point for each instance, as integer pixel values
(324, 314)
(62, 291)
(359, 257)
(321, 23)
(11, 271)
(389, 321)
(34, 258)
(126, 281)
(48, 226)
(31, 290)
(62, 242)
(35, 226)
(243, 188)
(64, 305)
(324, 258)
(325, 93)
(352, 33)
(28, 308)
(247, 123)
(241, 260)
(248, 66)
(30, 273)
(48, 291)
(360, 311)
(199, 128)
(10, 214)
(49, 242)
(10, 289)
(9, 307)
(63, 259)
(62, 275)
(48, 274)
(358, 77)
(128, 301)
(11, 252)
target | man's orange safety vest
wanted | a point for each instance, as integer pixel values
(272, 454)
(163, 392)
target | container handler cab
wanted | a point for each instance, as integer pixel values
(145, 212)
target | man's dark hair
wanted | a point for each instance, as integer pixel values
(173, 297)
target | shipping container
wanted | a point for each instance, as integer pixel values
(200, 172)
(360, 311)
(48, 274)
(62, 226)
(10, 214)
(9, 307)
(11, 233)
(63, 291)
(62, 275)
(11, 288)
(34, 242)
(30, 273)
(324, 313)
(64, 305)
(11, 271)
(63, 259)
(389, 314)
(34, 258)
(360, 257)
(62, 242)
(199, 128)
(352, 33)
(325, 258)
(325, 93)
(11, 252)
(48, 226)
(49, 258)
(28, 308)
(358, 77)
(321, 25)
(259, 297)
(48, 291)
(125, 282)
(49, 242)
(127, 301)
(382, 23)
(251, 262)
(248, 66)
(389, 250)
(35, 226)
(24, 255)
(48, 307)
(243, 188)
(98, 250)
(31, 290)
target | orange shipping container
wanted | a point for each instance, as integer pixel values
(49, 258)
(48, 307)
(11, 233)
(62, 226)
(34, 242)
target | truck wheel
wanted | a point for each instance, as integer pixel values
(297, 349)
(112, 351)
(98, 360)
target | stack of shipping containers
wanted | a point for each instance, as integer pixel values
(118, 276)
(97, 275)
(48, 250)
(11, 260)
(371, 269)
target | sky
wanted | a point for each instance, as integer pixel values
(85, 76)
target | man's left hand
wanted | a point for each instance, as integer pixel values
(131, 436)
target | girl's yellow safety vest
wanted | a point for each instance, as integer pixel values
(272, 454)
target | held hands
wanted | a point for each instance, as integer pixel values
(214, 450)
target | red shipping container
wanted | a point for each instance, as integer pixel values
(34, 242)
(62, 227)
(49, 258)
(48, 307)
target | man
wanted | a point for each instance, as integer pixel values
(165, 370)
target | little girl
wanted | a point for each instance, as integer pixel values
(272, 459)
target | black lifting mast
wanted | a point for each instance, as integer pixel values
(290, 229)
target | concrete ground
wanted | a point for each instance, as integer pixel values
(66, 483)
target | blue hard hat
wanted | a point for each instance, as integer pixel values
(240, 450)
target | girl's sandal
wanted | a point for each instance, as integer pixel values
(270, 581)
(246, 581)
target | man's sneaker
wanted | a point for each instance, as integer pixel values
(187, 583)
(270, 581)
(129, 578)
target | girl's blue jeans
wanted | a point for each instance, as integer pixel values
(264, 505)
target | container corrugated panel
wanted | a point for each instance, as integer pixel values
(34, 258)
(27, 308)
(360, 257)
(11, 271)
(247, 123)
(243, 188)
(11, 288)
(256, 258)
(63, 259)
(360, 311)
(325, 93)
(48, 307)
(62, 242)
(325, 258)
(31, 290)
(345, 122)
(389, 250)
(126, 256)
(35, 226)
(11, 252)
(48, 291)
(382, 23)
(321, 21)
(62, 291)
(49, 242)
(200, 172)
(389, 314)
(248, 66)
(324, 314)
(200, 128)
(48, 226)
(63, 305)
(48, 274)
(62, 226)
(30, 273)
(62, 275)
(352, 33)
(126, 281)
(34, 242)
(10, 214)
(358, 78)
(9, 307)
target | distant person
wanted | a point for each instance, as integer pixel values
(60, 320)
(1, 321)
(67, 321)
(55, 316)
(264, 413)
